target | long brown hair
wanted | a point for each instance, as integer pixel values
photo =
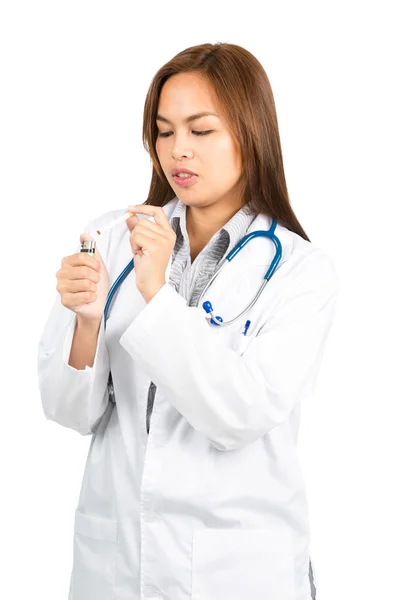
(247, 103)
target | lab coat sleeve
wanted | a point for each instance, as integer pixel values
(74, 398)
(234, 399)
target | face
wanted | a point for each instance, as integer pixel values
(205, 145)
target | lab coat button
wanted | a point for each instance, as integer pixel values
(151, 592)
(150, 517)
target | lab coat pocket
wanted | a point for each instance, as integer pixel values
(95, 549)
(242, 563)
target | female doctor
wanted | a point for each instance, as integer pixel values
(192, 488)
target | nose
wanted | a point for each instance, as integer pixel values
(178, 154)
(180, 149)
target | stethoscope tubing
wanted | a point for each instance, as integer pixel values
(270, 234)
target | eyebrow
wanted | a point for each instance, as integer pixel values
(188, 119)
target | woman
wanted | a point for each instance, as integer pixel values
(192, 487)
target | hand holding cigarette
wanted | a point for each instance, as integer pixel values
(152, 242)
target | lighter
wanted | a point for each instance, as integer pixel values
(89, 246)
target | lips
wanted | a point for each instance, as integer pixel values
(185, 181)
(177, 170)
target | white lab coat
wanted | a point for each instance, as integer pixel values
(211, 504)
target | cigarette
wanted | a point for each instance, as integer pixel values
(112, 224)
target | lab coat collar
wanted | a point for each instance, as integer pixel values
(233, 228)
(259, 252)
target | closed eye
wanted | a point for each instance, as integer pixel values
(167, 134)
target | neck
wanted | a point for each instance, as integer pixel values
(203, 222)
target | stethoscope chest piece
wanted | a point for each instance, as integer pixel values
(208, 308)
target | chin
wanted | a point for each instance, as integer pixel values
(191, 201)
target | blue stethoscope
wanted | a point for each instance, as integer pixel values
(270, 234)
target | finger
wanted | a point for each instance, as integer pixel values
(81, 285)
(132, 222)
(81, 259)
(145, 225)
(135, 244)
(154, 211)
(146, 232)
(143, 242)
(85, 237)
(81, 272)
(135, 220)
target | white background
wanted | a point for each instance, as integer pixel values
(73, 78)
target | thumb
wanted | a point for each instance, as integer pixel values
(131, 222)
(85, 237)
